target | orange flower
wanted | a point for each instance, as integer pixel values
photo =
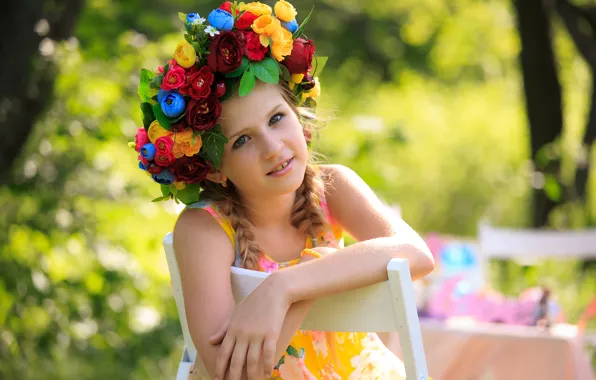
(266, 26)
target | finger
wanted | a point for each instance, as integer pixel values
(269, 356)
(253, 361)
(223, 357)
(238, 359)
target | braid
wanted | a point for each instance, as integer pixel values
(307, 215)
(236, 214)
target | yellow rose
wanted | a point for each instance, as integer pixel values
(256, 8)
(313, 92)
(185, 54)
(187, 148)
(284, 11)
(156, 131)
(184, 136)
(282, 44)
(179, 185)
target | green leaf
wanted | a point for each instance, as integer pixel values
(145, 84)
(240, 70)
(165, 69)
(156, 82)
(213, 143)
(300, 29)
(148, 116)
(293, 352)
(165, 190)
(285, 73)
(172, 188)
(176, 119)
(247, 83)
(196, 46)
(159, 199)
(188, 38)
(190, 194)
(320, 65)
(182, 16)
(266, 70)
(161, 117)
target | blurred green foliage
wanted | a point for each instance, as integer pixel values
(426, 104)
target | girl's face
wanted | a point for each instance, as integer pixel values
(266, 153)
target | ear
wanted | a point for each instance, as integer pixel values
(216, 176)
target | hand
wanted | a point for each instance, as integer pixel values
(251, 335)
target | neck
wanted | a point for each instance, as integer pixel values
(269, 211)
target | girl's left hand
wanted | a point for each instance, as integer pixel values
(251, 335)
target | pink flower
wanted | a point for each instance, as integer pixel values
(141, 139)
(267, 265)
(164, 144)
(175, 78)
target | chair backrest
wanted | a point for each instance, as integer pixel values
(384, 307)
(497, 242)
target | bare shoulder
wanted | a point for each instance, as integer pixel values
(198, 233)
(354, 205)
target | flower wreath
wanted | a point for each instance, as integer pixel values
(180, 141)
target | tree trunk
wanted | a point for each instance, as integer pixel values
(542, 90)
(26, 76)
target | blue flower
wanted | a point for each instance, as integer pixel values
(172, 104)
(141, 166)
(291, 26)
(194, 18)
(164, 178)
(148, 151)
(162, 94)
(221, 19)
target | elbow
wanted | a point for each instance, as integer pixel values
(422, 262)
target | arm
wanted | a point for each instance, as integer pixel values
(381, 238)
(205, 254)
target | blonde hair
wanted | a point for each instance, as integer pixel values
(307, 216)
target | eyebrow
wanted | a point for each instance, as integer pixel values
(247, 128)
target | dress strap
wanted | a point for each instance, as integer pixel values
(214, 210)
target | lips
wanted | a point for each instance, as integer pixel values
(281, 165)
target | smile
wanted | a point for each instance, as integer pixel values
(281, 168)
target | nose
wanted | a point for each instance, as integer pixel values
(271, 145)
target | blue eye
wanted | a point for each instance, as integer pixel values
(240, 141)
(276, 118)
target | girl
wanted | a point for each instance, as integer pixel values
(265, 207)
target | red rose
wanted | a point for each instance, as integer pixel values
(173, 79)
(226, 6)
(153, 168)
(253, 48)
(300, 61)
(164, 144)
(202, 114)
(245, 20)
(189, 169)
(198, 84)
(225, 53)
(164, 159)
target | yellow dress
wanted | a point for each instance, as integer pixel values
(321, 355)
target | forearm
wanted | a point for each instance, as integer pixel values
(294, 318)
(359, 265)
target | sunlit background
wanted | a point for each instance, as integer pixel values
(425, 100)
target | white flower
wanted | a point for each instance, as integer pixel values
(211, 31)
(199, 21)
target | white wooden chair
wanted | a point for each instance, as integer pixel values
(384, 307)
(529, 245)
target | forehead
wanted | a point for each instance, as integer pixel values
(242, 112)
